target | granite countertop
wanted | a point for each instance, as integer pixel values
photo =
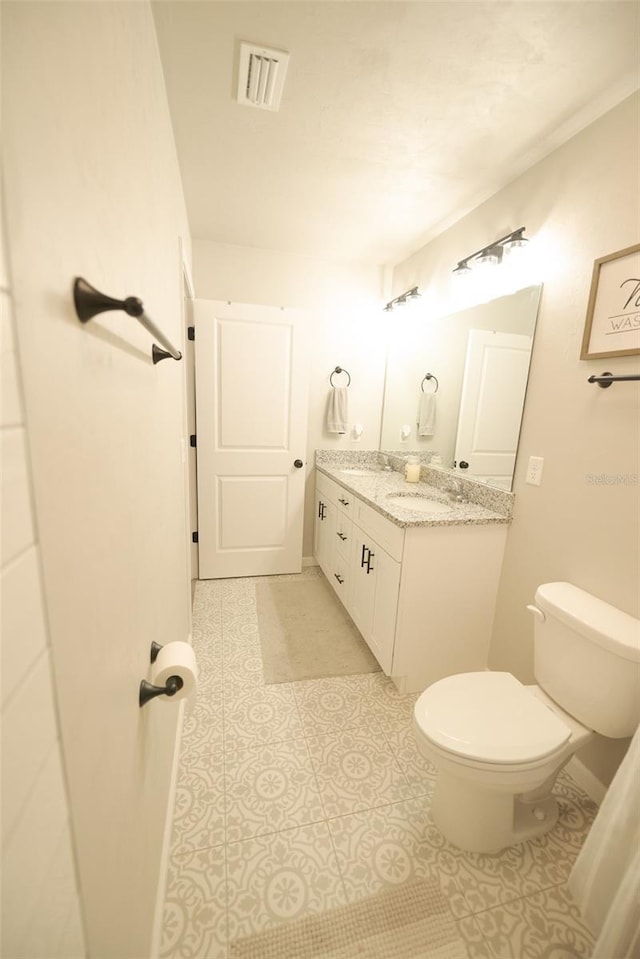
(375, 486)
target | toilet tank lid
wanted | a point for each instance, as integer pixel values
(600, 622)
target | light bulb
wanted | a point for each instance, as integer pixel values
(515, 242)
(491, 256)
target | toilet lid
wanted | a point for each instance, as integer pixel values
(489, 717)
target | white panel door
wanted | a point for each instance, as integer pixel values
(495, 381)
(251, 398)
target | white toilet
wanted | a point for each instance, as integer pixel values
(499, 745)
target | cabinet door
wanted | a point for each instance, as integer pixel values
(383, 627)
(317, 530)
(363, 584)
(325, 533)
(375, 583)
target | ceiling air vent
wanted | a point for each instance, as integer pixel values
(261, 76)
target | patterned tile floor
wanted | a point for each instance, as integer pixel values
(296, 798)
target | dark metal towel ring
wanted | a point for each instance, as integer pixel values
(339, 369)
(430, 376)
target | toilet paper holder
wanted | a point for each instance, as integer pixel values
(148, 691)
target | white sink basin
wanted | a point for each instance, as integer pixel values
(421, 504)
(359, 472)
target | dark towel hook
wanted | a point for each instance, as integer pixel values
(429, 376)
(89, 302)
(339, 369)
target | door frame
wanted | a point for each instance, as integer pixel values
(189, 456)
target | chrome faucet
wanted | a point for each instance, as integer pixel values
(455, 491)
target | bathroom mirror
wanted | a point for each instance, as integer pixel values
(478, 359)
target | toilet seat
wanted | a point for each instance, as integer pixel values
(489, 717)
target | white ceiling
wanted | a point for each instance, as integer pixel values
(396, 119)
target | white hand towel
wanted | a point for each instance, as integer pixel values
(427, 414)
(337, 406)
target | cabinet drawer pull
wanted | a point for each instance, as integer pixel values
(370, 568)
(364, 549)
(339, 578)
(345, 502)
(342, 536)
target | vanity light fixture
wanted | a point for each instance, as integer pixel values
(494, 253)
(410, 296)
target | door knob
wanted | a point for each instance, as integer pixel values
(298, 464)
(463, 465)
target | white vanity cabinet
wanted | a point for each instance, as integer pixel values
(422, 596)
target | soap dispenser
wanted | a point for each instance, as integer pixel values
(412, 469)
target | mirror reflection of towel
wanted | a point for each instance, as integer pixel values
(427, 414)
(337, 407)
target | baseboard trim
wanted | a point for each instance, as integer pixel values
(309, 561)
(586, 780)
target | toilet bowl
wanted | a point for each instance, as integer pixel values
(499, 745)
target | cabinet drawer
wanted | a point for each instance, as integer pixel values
(345, 502)
(384, 532)
(344, 537)
(339, 579)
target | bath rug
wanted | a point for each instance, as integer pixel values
(411, 921)
(306, 633)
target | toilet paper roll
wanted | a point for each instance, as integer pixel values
(176, 659)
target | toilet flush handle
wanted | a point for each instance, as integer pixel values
(539, 615)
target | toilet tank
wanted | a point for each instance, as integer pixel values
(587, 658)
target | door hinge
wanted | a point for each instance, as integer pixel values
(194, 537)
(191, 332)
(193, 441)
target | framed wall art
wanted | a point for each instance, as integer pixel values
(612, 326)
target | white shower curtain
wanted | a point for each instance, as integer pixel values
(605, 880)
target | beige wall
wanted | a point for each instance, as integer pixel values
(346, 329)
(93, 189)
(579, 203)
